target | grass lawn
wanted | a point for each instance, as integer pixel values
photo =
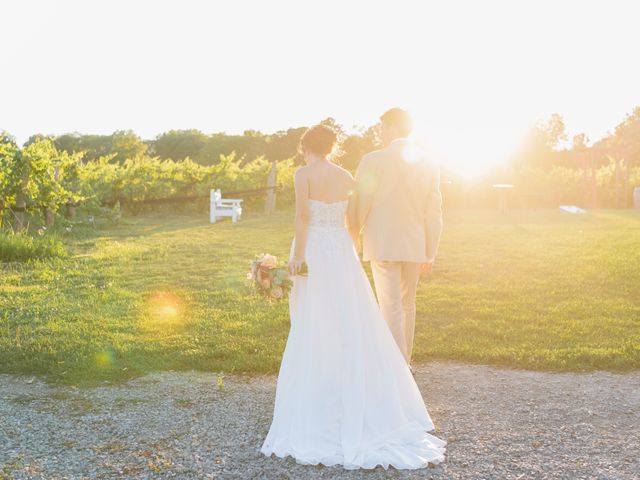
(533, 289)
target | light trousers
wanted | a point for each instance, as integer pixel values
(396, 284)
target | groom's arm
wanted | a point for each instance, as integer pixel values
(365, 189)
(433, 217)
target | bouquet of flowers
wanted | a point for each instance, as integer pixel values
(268, 278)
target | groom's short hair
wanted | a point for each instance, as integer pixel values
(398, 118)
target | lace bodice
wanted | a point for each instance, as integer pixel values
(327, 215)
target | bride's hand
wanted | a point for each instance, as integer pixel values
(355, 238)
(294, 265)
(357, 245)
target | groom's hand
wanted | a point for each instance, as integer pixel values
(425, 268)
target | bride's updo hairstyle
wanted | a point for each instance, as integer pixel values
(321, 140)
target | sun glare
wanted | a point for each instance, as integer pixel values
(468, 149)
(163, 310)
(412, 153)
(167, 310)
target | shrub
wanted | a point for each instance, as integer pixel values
(20, 247)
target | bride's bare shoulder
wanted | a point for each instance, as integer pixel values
(345, 179)
(301, 172)
(343, 172)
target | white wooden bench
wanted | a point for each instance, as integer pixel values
(224, 207)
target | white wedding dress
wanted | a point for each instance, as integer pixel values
(345, 395)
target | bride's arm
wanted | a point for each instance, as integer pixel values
(352, 216)
(302, 217)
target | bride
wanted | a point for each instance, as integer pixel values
(345, 395)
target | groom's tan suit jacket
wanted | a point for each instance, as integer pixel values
(399, 204)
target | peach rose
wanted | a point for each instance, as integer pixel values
(277, 292)
(268, 261)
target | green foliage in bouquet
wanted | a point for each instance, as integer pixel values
(269, 279)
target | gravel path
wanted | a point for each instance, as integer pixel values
(500, 423)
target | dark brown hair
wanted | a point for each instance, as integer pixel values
(319, 139)
(398, 118)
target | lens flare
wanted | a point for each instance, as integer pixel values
(104, 358)
(167, 310)
(164, 310)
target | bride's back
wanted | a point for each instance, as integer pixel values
(328, 183)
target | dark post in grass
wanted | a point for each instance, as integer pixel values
(71, 210)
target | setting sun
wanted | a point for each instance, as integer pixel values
(470, 150)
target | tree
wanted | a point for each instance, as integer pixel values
(355, 146)
(249, 146)
(37, 137)
(552, 131)
(180, 144)
(626, 149)
(541, 147)
(93, 146)
(627, 135)
(284, 144)
(579, 141)
(331, 122)
(127, 145)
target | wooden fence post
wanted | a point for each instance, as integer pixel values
(72, 210)
(270, 201)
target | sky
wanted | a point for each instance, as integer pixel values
(475, 75)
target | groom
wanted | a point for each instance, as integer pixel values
(400, 208)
